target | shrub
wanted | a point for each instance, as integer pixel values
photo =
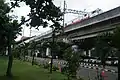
(73, 60)
(46, 66)
(55, 68)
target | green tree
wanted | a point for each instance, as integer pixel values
(3, 20)
(17, 52)
(9, 30)
(112, 40)
(72, 65)
(115, 42)
(33, 48)
(41, 13)
(12, 31)
(102, 47)
(57, 49)
(24, 49)
(61, 47)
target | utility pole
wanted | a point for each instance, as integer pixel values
(64, 14)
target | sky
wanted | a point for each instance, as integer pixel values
(87, 5)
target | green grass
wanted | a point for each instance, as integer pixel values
(25, 71)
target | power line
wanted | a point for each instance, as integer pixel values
(65, 11)
(81, 14)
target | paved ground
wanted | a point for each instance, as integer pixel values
(86, 71)
(87, 74)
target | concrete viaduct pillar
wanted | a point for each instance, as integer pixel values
(48, 52)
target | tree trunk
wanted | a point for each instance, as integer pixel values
(9, 73)
(24, 55)
(51, 64)
(52, 46)
(33, 59)
(103, 63)
(119, 66)
(33, 56)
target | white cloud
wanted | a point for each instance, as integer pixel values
(104, 4)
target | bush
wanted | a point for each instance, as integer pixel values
(63, 69)
(46, 66)
(73, 59)
(35, 62)
(55, 68)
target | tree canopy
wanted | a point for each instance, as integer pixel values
(42, 13)
(7, 25)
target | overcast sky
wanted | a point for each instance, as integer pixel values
(89, 5)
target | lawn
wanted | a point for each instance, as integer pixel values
(25, 71)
